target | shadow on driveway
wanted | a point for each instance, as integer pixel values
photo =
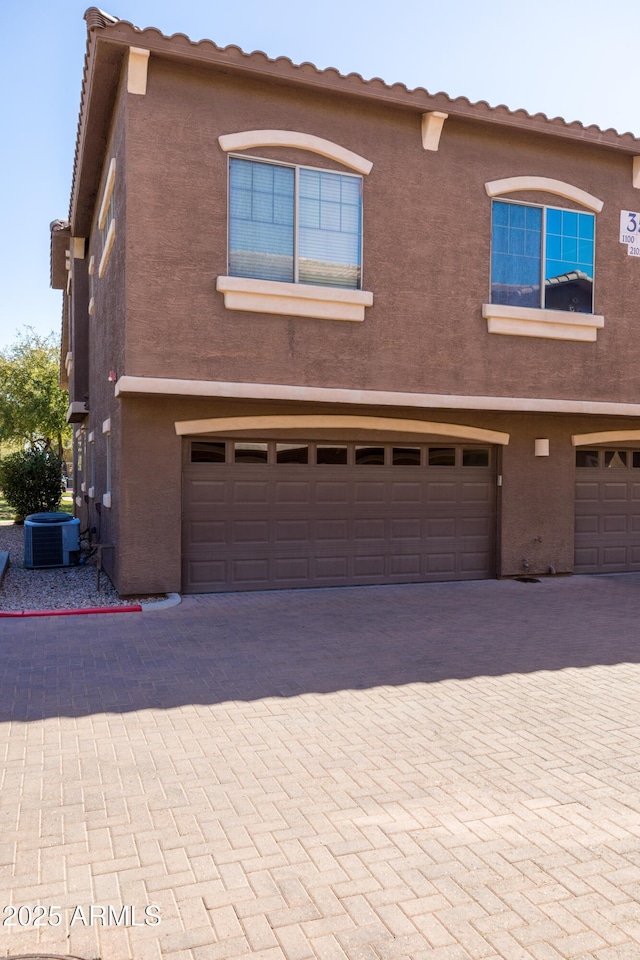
(226, 647)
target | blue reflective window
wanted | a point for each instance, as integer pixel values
(323, 246)
(542, 257)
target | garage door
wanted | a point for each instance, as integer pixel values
(260, 515)
(607, 532)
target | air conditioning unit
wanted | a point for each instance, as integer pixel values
(51, 540)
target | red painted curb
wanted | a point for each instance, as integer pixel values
(134, 608)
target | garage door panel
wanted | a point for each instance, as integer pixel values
(250, 531)
(405, 528)
(607, 522)
(259, 526)
(286, 493)
(203, 492)
(405, 564)
(587, 491)
(442, 563)
(250, 492)
(475, 493)
(332, 529)
(288, 569)
(332, 492)
(370, 492)
(475, 527)
(288, 531)
(614, 523)
(614, 491)
(332, 568)
(207, 575)
(441, 492)
(369, 566)
(587, 524)
(441, 527)
(406, 492)
(252, 570)
(369, 529)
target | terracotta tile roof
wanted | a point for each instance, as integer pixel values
(103, 27)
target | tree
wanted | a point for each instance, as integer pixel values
(32, 405)
(31, 481)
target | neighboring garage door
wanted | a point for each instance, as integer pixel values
(261, 515)
(607, 532)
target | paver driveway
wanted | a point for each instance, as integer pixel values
(432, 771)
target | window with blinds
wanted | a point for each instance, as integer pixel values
(294, 224)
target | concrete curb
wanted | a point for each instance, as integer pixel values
(173, 599)
(78, 611)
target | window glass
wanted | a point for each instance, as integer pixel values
(205, 452)
(475, 458)
(615, 458)
(261, 200)
(518, 236)
(442, 456)
(568, 278)
(266, 241)
(516, 245)
(331, 454)
(251, 452)
(636, 458)
(406, 456)
(292, 453)
(329, 230)
(586, 458)
(370, 456)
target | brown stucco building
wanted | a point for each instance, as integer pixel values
(322, 331)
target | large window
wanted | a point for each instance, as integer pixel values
(542, 257)
(294, 224)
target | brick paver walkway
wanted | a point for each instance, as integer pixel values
(446, 771)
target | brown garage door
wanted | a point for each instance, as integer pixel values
(261, 515)
(607, 532)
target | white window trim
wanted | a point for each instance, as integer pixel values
(106, 196)
(248, 139)
(549, 324)
(294, 299)
(106, 429)
(108, 247)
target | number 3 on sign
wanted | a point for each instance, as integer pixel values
(629, 224)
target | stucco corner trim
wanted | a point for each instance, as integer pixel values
(77, 247)
(106, 425)
(137, 65)
(559, 188)
(432, 124)
(92, 306)
(340, 422)
(247, 139)
(605, 436)
(293, 299)
(547, 324)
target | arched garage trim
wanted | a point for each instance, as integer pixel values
(337, 422)
(605, 436)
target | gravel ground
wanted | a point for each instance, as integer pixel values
(56, 588)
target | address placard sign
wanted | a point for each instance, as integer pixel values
(630, 231)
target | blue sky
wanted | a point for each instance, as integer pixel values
(572, 60)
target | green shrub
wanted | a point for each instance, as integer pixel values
(31, 481)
